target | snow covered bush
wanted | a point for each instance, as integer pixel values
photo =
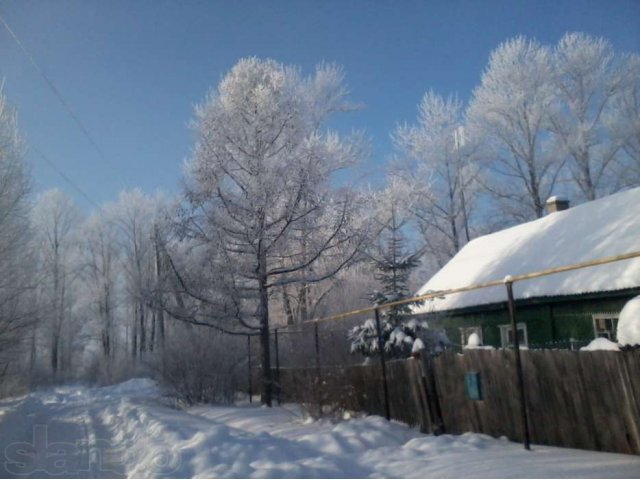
(399, 339)
(628, 330)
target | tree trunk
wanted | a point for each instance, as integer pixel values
(32, 355)
(158, 288)
(585, 180)
(55, 338)
(452, 220)
(106, 336)
(304, 302)
(54, 353)
(134, 334)
(287, 306)
(152, 340)
(161, 327)
(142, 330)
(263, 314)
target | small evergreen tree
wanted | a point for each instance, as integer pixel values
(394, 263)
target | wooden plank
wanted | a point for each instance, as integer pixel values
(601, 387)
(536, 408)
(542, 397)
(419, 391)
(448, 372)
(632, 362)
(630, 403)
(575, 426)
(431, 391)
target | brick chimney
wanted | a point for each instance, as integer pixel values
(557, 204)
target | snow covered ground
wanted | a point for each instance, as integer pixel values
(128, 430)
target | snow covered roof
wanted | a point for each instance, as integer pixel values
(601, 228)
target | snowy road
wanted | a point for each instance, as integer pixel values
(126, 430)
(57, 433)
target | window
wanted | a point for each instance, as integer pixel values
(604, 325)
(506, 335)
(465, 333)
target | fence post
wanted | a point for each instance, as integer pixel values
(278, 388)
(385, 387)
(318, 372)
(433, 401)
(516, 349)
(249, 357)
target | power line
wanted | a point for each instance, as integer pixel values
(69, 110)
(66, 178)
(479, 286)
(55, 91)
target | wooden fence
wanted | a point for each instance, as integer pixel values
(357, 388)
(587, 400)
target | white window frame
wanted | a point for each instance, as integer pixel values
(465, 332)
(608, 334)
(504, 336)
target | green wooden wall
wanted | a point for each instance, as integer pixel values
(547, 320)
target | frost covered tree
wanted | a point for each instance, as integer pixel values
(260, 178)
(304, 300)
(16, 273)
(56, 220)
(624, 117)
(137, 219)
(588, 77)
(510, 110)
(394, 262)
(438, 165)
(100, 276)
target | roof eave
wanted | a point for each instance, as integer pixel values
(534, 301)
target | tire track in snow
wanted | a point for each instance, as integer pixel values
(53, 435)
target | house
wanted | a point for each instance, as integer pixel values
(563, 310)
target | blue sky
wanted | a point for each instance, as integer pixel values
(132, 70)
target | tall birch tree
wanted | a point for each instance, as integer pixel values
(101, 275)
(510, 110)
(588, 76)
(56, 221)
(136, 218)
(438, 164)
(16, 274)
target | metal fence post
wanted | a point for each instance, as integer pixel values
(385, 387)
(318, 372)
(249, 358)
(278, 387)
(516, 348)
